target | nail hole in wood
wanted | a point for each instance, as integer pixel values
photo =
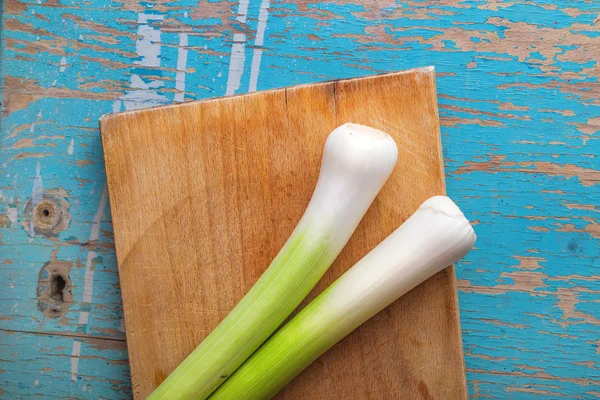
(57, 285)
(46, 215)
(49, 215)
(54, 288)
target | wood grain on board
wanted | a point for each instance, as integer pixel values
(204, 194)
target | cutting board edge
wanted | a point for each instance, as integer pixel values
(451, 268)
(106, 118)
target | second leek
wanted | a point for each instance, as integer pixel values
(435, 236)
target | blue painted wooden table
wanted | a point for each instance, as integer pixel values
(520, 111)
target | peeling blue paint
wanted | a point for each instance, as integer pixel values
(518, 99)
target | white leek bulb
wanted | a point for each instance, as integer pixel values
(435, 236)
(357, 161)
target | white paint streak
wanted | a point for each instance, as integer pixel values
(88, 285)
(36, 194)
(116, 106)
(84, 317)
(88, 282)
(148, 47)
(63, 64)
(12, 213)
(75, 359)
(238, 56)
(38, 187)
(263, 16)
(255, 69)
(71, 147)
(95, 233)
(236, 64)
(182, 54)
(143, 18)
(243, 10)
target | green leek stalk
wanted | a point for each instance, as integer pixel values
(435, 236)
(357, 160)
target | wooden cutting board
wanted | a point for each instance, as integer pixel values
(204, 194)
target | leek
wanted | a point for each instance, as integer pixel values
(435, 236)
(357, 160)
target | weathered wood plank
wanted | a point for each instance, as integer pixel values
(51, 367)
(519, 100)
